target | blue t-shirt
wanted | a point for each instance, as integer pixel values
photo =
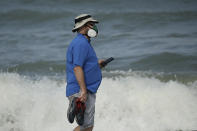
(81, 53)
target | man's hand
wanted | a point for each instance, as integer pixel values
(80, 79)
(100, 61)
(83, 95)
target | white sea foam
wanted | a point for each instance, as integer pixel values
(123, 104)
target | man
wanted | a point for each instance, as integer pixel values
(83, 71)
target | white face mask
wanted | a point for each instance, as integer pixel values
(93, 32)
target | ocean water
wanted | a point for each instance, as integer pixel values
(151, 85)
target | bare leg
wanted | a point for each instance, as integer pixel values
(77, 128)
(87, 129)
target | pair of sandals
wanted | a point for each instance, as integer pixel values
(76, 110)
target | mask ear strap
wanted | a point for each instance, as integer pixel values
(88, 26)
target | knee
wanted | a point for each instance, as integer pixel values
(88, 129)
(77, 128)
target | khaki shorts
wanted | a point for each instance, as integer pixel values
(90, 109)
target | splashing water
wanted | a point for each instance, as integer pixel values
(123, 104)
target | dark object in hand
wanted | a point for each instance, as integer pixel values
(80, 110)
(103, 64)
(76, 109)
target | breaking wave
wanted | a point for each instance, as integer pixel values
(123, 103)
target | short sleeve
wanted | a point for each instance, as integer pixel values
(80, 51)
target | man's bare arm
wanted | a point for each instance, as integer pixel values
(81, 81)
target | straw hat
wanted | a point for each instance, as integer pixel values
(82, 20)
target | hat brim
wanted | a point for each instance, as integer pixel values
(82, 23)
